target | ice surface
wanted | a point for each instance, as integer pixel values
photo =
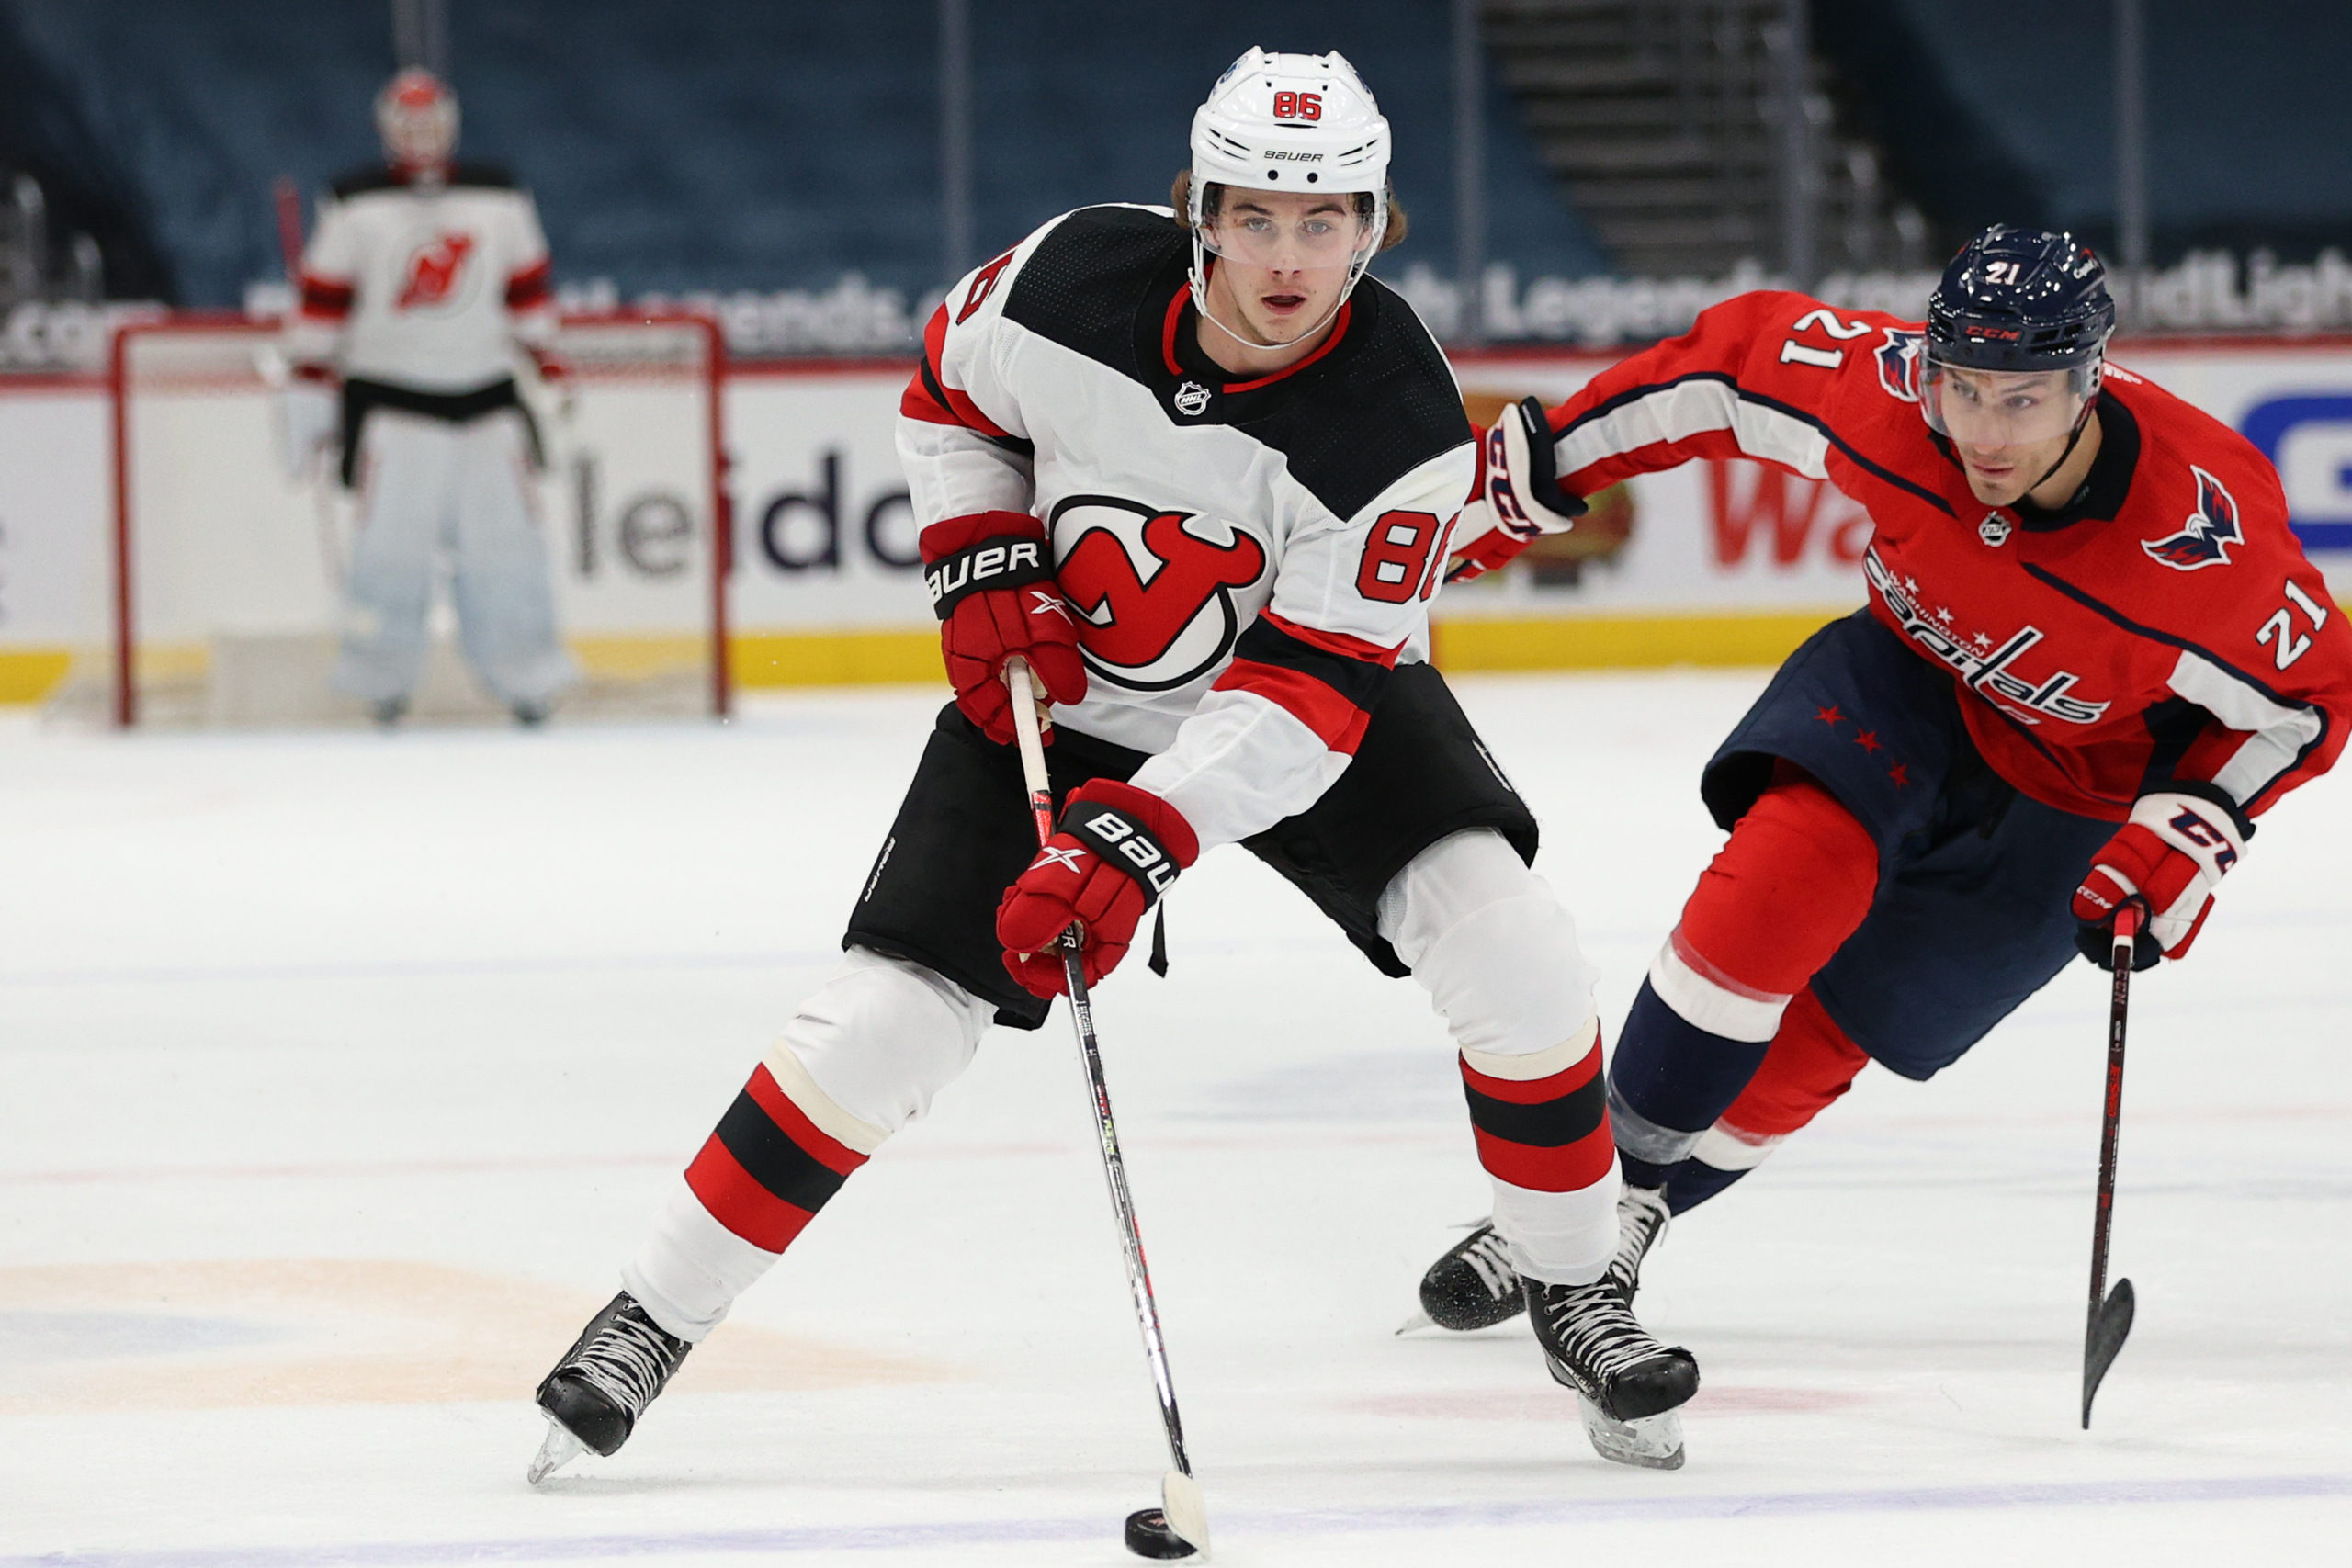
(338, 1073)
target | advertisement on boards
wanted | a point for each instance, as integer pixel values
(1714, 562)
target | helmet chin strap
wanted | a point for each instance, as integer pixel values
(2082, 421)
(1201, 301)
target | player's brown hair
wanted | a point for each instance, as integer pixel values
(1180, 196)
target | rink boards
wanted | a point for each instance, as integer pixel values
(1715, 563)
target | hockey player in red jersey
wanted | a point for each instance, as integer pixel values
(424, 281)
(1196, 470)
(2093, 656)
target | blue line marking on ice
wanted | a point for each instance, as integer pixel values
(1335, 1521)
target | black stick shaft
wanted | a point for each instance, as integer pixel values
(1081, 1008)
(2110, 1127)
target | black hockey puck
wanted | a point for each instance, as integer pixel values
(1148, 1536)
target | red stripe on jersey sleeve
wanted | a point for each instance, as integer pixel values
(328, 298)
(930, 399)
(1336, 721)
(530, 288)
(1335, 642)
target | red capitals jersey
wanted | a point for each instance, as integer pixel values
(2164, 627)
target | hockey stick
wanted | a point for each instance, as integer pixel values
(1183, 1526)
(2110, 1315)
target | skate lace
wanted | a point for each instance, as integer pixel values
(1488, 1257)
(1641, 1221)
(1596, 1329)
(628, 1361)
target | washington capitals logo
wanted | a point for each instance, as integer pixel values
(1898, 364)
(2211, 531)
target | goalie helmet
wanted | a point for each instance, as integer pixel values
(416, 116)
(1301, 123)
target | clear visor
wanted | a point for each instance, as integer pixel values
(2004, 408)
(1283, 233)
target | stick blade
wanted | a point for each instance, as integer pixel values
(2105, 1341)
(1187, 1508)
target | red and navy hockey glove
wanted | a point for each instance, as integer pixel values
(1516, 499)
(1118, 848)
(992, 580)
(2168, 859)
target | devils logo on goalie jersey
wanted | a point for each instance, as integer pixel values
(1153, 589)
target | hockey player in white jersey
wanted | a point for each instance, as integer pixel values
(1197, 471)
(423, 282)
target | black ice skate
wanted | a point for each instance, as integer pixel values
(603, 1384)
(1628, 1385)
(1473, 1286)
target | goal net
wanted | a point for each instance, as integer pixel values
(227, 600)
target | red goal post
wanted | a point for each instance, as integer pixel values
(225, 597)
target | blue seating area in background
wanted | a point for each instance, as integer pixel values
(727, 144)
(2005, 110)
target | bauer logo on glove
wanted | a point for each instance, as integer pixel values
(995, 563)
(991, 581)
(1118, 848)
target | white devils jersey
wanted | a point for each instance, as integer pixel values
(1247, 557)
(424, 287)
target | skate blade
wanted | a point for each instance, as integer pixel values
(1187, 1509)
(1649, 1442)
(559, 1449)
(1418, 1322)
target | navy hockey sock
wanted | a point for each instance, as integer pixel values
(1693, 1182)
(1669, 1082)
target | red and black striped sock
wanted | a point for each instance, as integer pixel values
(767, 1169)
(1549, 1134)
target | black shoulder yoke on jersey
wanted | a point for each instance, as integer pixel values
(383, 176)
(1111, 283)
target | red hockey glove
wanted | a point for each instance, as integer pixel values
(1516, 499)
(992, 580)
(2168, 859)
(1118, 850)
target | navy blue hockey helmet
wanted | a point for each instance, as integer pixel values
(2021, 300)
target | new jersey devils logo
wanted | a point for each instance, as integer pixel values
(2210, 533)
(1153, 589)
(434, 270)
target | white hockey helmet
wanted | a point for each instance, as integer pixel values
(416, 116)
(1302, 123)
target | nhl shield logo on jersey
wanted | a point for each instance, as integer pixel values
(1192, 400)
(1898, 364)
(2212, 528)
(1995, 530)
(1153, 589)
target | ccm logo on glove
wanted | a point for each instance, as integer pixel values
(2168, 859)
(1516, 499)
